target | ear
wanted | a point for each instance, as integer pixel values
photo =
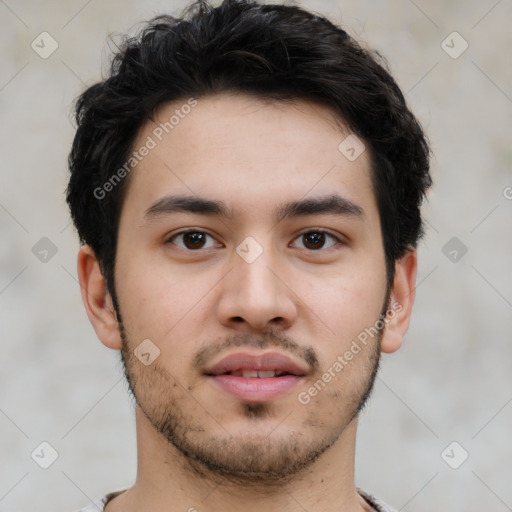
(400, 302)
(97, 299)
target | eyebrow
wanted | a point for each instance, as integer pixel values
(332, 205)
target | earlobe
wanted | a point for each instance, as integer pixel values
(97, 299)
(401, 302)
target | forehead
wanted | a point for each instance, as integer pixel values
(246, 151)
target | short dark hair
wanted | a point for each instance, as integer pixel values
(275, 52)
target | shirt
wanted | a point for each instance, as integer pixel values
(99, 505)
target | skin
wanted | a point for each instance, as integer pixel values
(199, 304)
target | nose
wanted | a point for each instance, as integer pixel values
(256, 296)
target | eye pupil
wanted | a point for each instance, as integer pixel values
(193, 240)
(315, 239)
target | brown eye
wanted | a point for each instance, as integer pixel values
(315, 240)
(194, 240)
(191, 240)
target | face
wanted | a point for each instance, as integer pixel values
(251, 261)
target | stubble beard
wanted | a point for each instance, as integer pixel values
(249, 460)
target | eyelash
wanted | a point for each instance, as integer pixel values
(316, 231)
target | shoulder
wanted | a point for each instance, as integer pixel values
(376, 503)
(96, 506)
(99, 505)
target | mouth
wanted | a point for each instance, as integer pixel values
(257, 374)
(256, 377)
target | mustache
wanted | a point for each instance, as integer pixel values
(266, 340)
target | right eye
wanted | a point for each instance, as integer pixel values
(191, 240)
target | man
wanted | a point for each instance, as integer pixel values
(246, 185)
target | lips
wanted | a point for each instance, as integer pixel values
(266, 365)
(256, 377)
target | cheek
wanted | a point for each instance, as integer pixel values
(349, 301)
(144, 296)
(162, 304)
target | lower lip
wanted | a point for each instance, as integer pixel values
(256, 389)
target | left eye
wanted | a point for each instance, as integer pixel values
(192, 240)
(315, 240)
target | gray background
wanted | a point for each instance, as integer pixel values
(451, 381)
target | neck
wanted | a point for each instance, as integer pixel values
(167, 481)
